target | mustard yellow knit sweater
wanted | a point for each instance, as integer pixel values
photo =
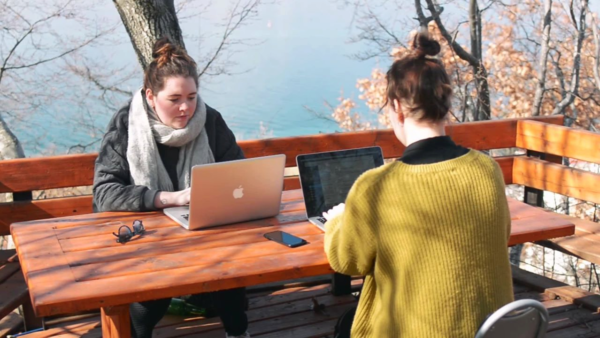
(432, 242)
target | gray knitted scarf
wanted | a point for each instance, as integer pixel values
(146, 130)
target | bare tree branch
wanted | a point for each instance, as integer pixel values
(86, 73)
(572, 13)
(85, 43)
(463, 54)
(566, 101)
(236, 19)
(546, 26)
(483, 94)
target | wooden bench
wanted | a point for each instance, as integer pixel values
(290, 312)
(22, 177)
(538, 174)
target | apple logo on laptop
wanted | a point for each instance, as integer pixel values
(238, 193)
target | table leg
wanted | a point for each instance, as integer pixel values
(341, 284)
(116, 322)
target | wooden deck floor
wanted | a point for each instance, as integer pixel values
(288, 313)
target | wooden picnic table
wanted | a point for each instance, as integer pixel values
(74, 263)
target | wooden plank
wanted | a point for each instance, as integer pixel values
(559, 140)
(506, 164)
(9, 255)
(41, 209)
(197, 258)
(291, 200)
(149, 249)
(590, 301)
(90, 328)
(8, 270)
(53, 297)
(571, 318)
(286, 320)
(310, 330)
(78, 170)
(103, 258)
(558, 306)
(520, 210)
(517, 288)
(28, 174)
(174, 231)
(482, 135)
(533, 229)
(10, 323)
(43, 262)
(291, 183)
(557, 178)
(565, 317)
(584, 244)
(585, 330)
(115, 321)
(14, 293)
(288, 295)
(534, 281)
(256, 317)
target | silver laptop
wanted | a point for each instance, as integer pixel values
(326, 178)
(231, 192)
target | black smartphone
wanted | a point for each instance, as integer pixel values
(285, 239)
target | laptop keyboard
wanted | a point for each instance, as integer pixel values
(322, 219)
(186, 216)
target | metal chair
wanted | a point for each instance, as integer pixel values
(525, 318)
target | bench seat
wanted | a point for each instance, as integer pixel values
(583, 244)
(13, 290)
(288, 312)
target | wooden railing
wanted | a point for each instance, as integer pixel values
(22, 176)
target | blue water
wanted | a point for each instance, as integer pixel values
(296, 55)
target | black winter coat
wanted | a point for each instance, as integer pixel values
(113, 190)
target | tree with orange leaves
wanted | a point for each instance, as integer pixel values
(536, 59)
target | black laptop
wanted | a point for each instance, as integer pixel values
(326, 178)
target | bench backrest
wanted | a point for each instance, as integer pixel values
(21, 176)
(559, 141)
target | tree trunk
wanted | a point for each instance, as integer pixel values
(574, 89)
(483, 108)
(147, 21)
(541, 83)
(483, 111)
(10, 147)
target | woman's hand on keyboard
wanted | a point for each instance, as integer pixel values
(334, 212)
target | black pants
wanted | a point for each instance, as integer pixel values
(229, 304)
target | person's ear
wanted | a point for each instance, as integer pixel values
(398, 110)
(150, 97)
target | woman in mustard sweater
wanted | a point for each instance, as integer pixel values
(429, 231)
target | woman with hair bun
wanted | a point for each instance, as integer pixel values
(429, 231)
(146, 158)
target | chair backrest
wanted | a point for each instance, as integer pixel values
(525, 318)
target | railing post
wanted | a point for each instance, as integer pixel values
(341, 284)
(533, 197)
(22, 196)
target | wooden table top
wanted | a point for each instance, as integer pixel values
(74, 263)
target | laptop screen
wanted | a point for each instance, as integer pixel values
(326, 178)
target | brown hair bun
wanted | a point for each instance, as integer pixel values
(163, 51)
(424, 45)
(170, 59)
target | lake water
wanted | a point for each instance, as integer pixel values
(297, 56)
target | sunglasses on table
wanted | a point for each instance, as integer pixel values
(125, 234)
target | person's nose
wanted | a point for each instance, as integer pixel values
(183, 108)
